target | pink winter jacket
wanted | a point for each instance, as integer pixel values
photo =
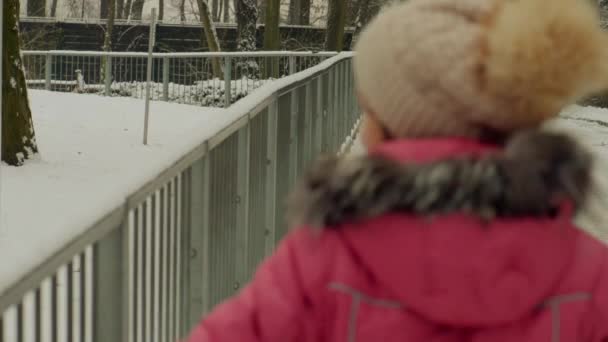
(403, 278)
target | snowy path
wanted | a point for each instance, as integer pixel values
(91, 159)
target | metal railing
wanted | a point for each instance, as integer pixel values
(186, 78)
(192, 236)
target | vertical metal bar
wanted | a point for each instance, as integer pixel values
(9, 329)
(62, 303)
(148, 242)
(156, 227)
(48, 71)
(149, 73)
(171, 271)
(139, 274)
(77, 314)
(46, 329)
(242, 192)
(29, 317)
(308, 125)
(318, 129)
(110, 270)
(178, 257)
(292, 65)
(199, 239)
(166, 78)
(164, 205)
(227, 81)
(108, 76)
(271, 175)
(293, 137)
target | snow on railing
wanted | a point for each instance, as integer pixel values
(186, 78)
(193, 235)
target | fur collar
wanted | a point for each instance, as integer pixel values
(532, 176)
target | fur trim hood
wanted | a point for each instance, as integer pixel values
(533, 175)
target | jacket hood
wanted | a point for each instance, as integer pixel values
(462, 233)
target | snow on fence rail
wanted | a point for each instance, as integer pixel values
(193, 235)
(186, 78)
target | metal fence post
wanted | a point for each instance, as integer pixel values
(293, 137)
(108, 75)
(110, 286)
(48, 71)
(166, 78)
(242, 191)
(308, 125)
(319, 137)
(199, 240)
(227, 81)
(271, 175)
(292, 65)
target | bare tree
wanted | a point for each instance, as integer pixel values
(246, 19)
(336, 20)
(262, 10)
(215, 10)
(104, 9)
(272, 36)
(161, 10)
(226, 12)
(137, 9)
(120, 4)
(53, 8)
(18, 138)
(127, 9)
(299, 12)
(36, 8)
(182, 10)
(209, 35)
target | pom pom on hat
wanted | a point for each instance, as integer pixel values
(455, 67)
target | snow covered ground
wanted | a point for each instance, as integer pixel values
(208, 93)
(91, 158)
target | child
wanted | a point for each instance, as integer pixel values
(457, 225)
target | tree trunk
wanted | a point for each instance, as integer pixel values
(299, 12)
(104, 9)
(215, 10)
(54, 8)
(120, 5)
(368, 9)
(336, 18)
(137, 10)
(161, 10)
(352, 14)
(272, 37)
(127, 9)
(246, 20)
(226, 11)
(182, 11)
(35, 8)
(210, 36)
(18, 138)
(262, 10)
(305, 12)
(107, 42)
(293, 18)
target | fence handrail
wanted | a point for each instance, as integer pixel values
(190, 23)
(242, 111)
(179, 54)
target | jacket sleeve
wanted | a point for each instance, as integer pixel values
(276, 305)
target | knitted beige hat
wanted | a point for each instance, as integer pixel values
(449, 67)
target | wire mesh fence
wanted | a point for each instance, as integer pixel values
(187, 78)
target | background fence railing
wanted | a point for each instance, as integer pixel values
(192, 236)
(177, 77)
